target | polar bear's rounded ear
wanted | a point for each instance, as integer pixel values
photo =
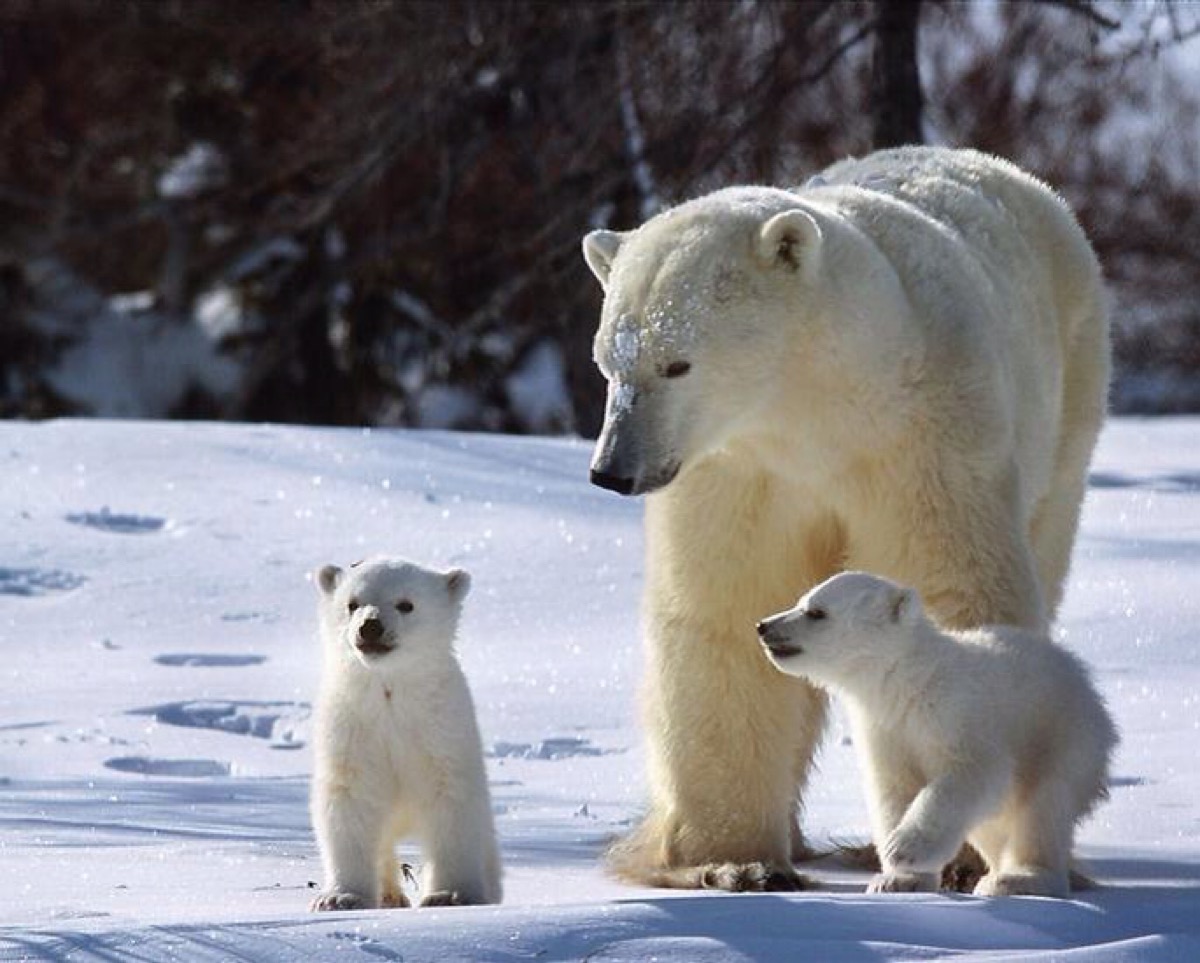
(328, 577)
(904, 606)
(599, 250)
(793, 239)
(459, 583)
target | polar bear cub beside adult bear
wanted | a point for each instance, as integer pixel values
(397, 744)
(995, 735)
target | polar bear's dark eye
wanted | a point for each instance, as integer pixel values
(814, 615)
(676, 369)
(352, 605)
(404, 606)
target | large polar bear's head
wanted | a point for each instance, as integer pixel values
(700, 305)
(388, 613)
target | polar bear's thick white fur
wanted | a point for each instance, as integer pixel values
(398, 750)
(901, 367)
(995, 735)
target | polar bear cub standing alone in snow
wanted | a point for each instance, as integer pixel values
(995, 735)
(397, 744)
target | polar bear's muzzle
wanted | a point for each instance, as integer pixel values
(369, 639)
(623, 474)
(627, 485)
(633, 455)
(776, 641)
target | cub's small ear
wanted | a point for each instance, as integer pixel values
(792, 239)
(328, 577)
(904, 606)
(600, 250)
(459, 583)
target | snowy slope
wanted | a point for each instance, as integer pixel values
(158, 659)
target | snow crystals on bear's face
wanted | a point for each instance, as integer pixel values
(642, 343)
(621, 396)
(627, 347)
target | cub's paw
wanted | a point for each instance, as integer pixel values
(394, 900)
(1032, 883)
(443, 897)
(903, 883)
(338, 901)
(753, 878)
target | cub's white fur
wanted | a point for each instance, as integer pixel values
(995, 735)
(397, 746)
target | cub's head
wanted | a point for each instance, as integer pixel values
(699, 318)
(388, 612)
(835, 625)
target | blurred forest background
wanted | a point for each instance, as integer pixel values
(352, 212)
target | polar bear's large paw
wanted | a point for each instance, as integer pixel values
(339, 901)
(752, 878)
(963, 873)
(903, 883)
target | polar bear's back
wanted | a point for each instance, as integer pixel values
(1001, 277)
(1013, 222)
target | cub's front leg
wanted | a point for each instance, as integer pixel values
(350, 832)
(936, 824)
(462, 865)
(892, 784)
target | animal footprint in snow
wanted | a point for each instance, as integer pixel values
(28, 582)
(250, 616)
(117, 524)
(284, 723)
(556, 747)
(208, 660)
(186, 768)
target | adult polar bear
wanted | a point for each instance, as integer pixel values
(902, 368)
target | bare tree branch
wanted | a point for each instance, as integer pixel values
(1086, 9)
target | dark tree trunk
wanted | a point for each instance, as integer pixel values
(895, 78)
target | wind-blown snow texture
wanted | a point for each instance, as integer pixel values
(158, 656)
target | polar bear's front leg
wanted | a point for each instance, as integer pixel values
(350, 833)
(730, 738)
(722, 733)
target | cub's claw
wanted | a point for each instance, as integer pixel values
(337, 901)
(903, 883)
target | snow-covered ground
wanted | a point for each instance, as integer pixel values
(158, 660)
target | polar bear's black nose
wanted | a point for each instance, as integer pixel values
(371, 630)
(614, 483)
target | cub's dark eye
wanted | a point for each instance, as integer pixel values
(676, 369)
(352, 605)
(404, 606)
(814, 615)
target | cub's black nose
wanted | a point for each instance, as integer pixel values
(614, 483)
(371, 630)
(761, 628)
